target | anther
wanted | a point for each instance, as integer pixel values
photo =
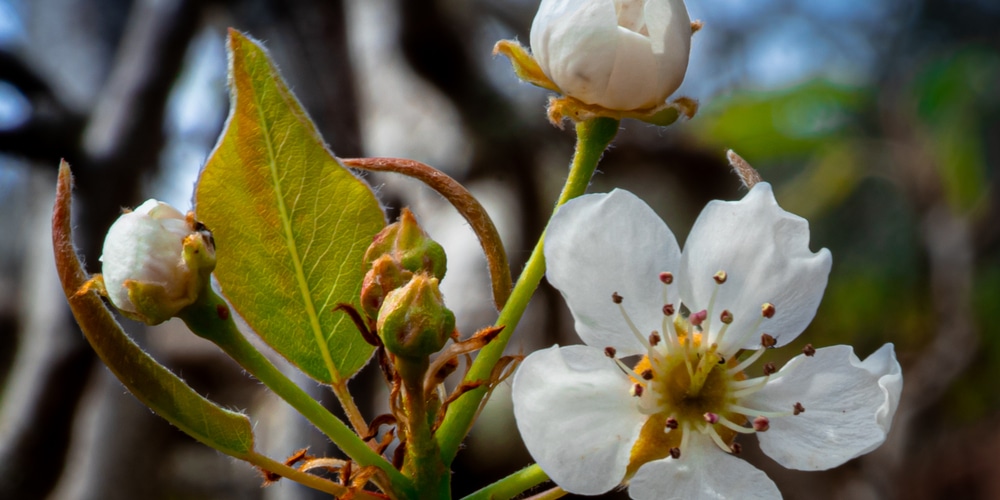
(722, 359)
(610, 351)
(798, 408)
(769, 368)
(767, 310)
(711, 418)
(809, 350)
(720, 277)
(672, 423)
(647, 374)
(726, 317)
(654, 338)
(761, 424)
(768, 341)
(697, 318)
(636, 390)
(668, 310)
(736, 448)
(675, 453)
(667, 278)
(617, 299)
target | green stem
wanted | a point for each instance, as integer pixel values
(423, 459)
(512, 485)
(210, 318)
(593, 137)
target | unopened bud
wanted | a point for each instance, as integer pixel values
(384, 276)
(622, 55)
(407, 243)
(155, 262)
(413, 321)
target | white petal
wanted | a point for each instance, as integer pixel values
(575, 43)
(158, 210)
(669, 27)
(849, 407)
(702, 472)
(600, 244)
(765, 252)
(634, 81)
(575, 414)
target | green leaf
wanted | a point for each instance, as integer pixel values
(147, 380)
(291, 224)
(785, 123)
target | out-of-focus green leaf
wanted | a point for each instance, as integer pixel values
(784, 123)
(291, 224)
(147, 380)
(825, 182)
(953, 94)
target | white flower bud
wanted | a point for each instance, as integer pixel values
(618, 54)
(146, 272)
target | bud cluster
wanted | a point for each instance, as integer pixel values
(400, 290)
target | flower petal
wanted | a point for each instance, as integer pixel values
(765, 252)
(849, 405)
(634, 81)
(575, 44)
(600, 244)
(669, 27)
(702, 471)
(575, 414)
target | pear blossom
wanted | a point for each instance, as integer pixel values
(618, 54)
(667, 426)
(154, 261)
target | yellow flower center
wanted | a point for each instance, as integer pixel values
(687, 389)
(687, 386)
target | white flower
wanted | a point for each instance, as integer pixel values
(618, 54)
(667, 426)
(145, 270)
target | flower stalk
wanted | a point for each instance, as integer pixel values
(210, 318)
(512, 485)
(593, 137)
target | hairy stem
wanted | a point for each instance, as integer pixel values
(512, 485)
(593, 137)
(423, 460)
(211, 319)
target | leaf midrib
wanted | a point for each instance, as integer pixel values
(286, 224)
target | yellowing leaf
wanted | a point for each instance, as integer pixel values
(291, 224)
(147, 380)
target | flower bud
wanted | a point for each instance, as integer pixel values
(155, 262)
(407, 243)
(413, 321)
(617, 54)
(385, 276)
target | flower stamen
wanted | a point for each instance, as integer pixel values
(617, 299)
(747, 362)
(710, 430)
(761, 424)
(749, 411)
(735, 427)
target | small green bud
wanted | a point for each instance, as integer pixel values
(413, 321)
(384, 276)
(407, 243)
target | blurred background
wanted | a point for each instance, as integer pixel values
(878, 120)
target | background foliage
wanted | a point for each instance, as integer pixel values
(877, 120)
